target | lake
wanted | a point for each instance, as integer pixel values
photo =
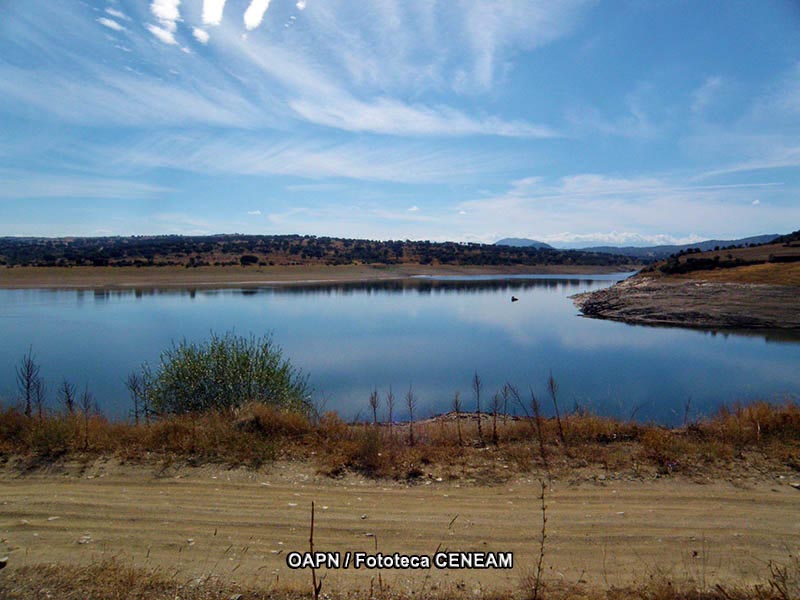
(432, 334)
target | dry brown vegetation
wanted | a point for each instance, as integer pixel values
(768, 264)
(450, 446)
(767, 274)
(113, 579)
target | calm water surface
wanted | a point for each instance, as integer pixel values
(432, 334)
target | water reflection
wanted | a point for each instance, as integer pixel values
(432, 333)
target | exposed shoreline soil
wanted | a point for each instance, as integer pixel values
(216, 277)
(649, 300)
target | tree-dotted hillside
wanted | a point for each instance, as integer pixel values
(263, 250)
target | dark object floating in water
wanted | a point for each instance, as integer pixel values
(514, 299)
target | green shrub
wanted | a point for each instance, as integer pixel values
(224, 373)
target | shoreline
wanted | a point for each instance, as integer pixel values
(226, 277)
(695, 303)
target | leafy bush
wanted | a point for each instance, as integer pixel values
(223, 373)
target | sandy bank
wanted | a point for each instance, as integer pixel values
(180, 277)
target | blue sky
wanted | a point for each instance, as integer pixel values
(573, 121)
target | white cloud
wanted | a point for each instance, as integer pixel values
(212, 11)
(167, 12)
(254, 213)
(619, 238)
(255, 13)
(200, 35)
(756, 202)
(162, 34)
(111, 24)
(117, 14)
(301, 4)
(413, 209)
(590, 209)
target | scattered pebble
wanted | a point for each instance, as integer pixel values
(363, 517)
(85, 539)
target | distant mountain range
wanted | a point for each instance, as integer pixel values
(650, 252)
(521, 243)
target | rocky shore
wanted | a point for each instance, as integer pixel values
(651, 300)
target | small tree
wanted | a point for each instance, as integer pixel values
(27, 379)
(67, 396)
(87, 403)
(457, 410)
(135, 388)
(477, 386)
(537, 413)
(390, 408)
(374, 402)
(40, 397)
(495, 411)
(411, 403)
(552, 387)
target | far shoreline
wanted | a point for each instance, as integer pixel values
(242, 277)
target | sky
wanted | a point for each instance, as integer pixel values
(573, 122)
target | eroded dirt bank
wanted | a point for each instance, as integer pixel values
(695, 303)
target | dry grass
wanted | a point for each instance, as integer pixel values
(258, 434)
(113, 579)
(768, 273)
(758, 265)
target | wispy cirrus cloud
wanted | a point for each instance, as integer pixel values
(388, 116)
(24, 184)
(251, 83)
(255, 155)
(120, 98)
(704, 95)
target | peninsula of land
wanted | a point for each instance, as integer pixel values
(733, 288)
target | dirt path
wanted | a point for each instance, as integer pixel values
(241, 524)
